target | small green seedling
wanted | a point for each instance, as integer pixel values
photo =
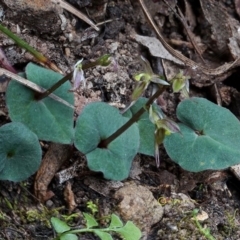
(92, 207)
(128, 231)
(203, 230)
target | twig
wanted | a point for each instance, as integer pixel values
(180, 16)
(32, 86)
(189, 33)
(188, 62)
(74, 11)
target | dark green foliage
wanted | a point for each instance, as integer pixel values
(96, 122)
(49, 119)
(129, 231)
(20, 152)
(209, 138)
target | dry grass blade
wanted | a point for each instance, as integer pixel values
(33, 86)
(74, 11)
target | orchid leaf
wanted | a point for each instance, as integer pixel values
(209, 137)
(20, 152)
(97, 122)
(49, 119)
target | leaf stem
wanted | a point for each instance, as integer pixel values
(104, 143)
(21, 43)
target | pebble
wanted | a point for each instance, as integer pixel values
(138, 205)
(49, 203)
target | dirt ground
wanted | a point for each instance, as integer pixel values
(161, 200)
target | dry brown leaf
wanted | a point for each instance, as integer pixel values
(52, 161)
(156, 48)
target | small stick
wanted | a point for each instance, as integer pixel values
(188, 31)
(74, 11)
(32, 86)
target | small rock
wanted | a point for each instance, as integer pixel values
(138, 205)
(49, 203)
(113, 47)
(110, 76)
(172, 227)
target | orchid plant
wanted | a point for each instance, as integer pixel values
(205, 137)
(112, 140)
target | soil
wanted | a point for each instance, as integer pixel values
(160, 201)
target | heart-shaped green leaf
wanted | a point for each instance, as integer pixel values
(97, 122)
(145, 126)
(20, 152)
(209, 138)
(49, 119)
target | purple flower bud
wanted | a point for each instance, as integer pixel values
(78, 76)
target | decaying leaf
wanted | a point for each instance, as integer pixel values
(67, 174)
(156, 48)
(52, 161)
